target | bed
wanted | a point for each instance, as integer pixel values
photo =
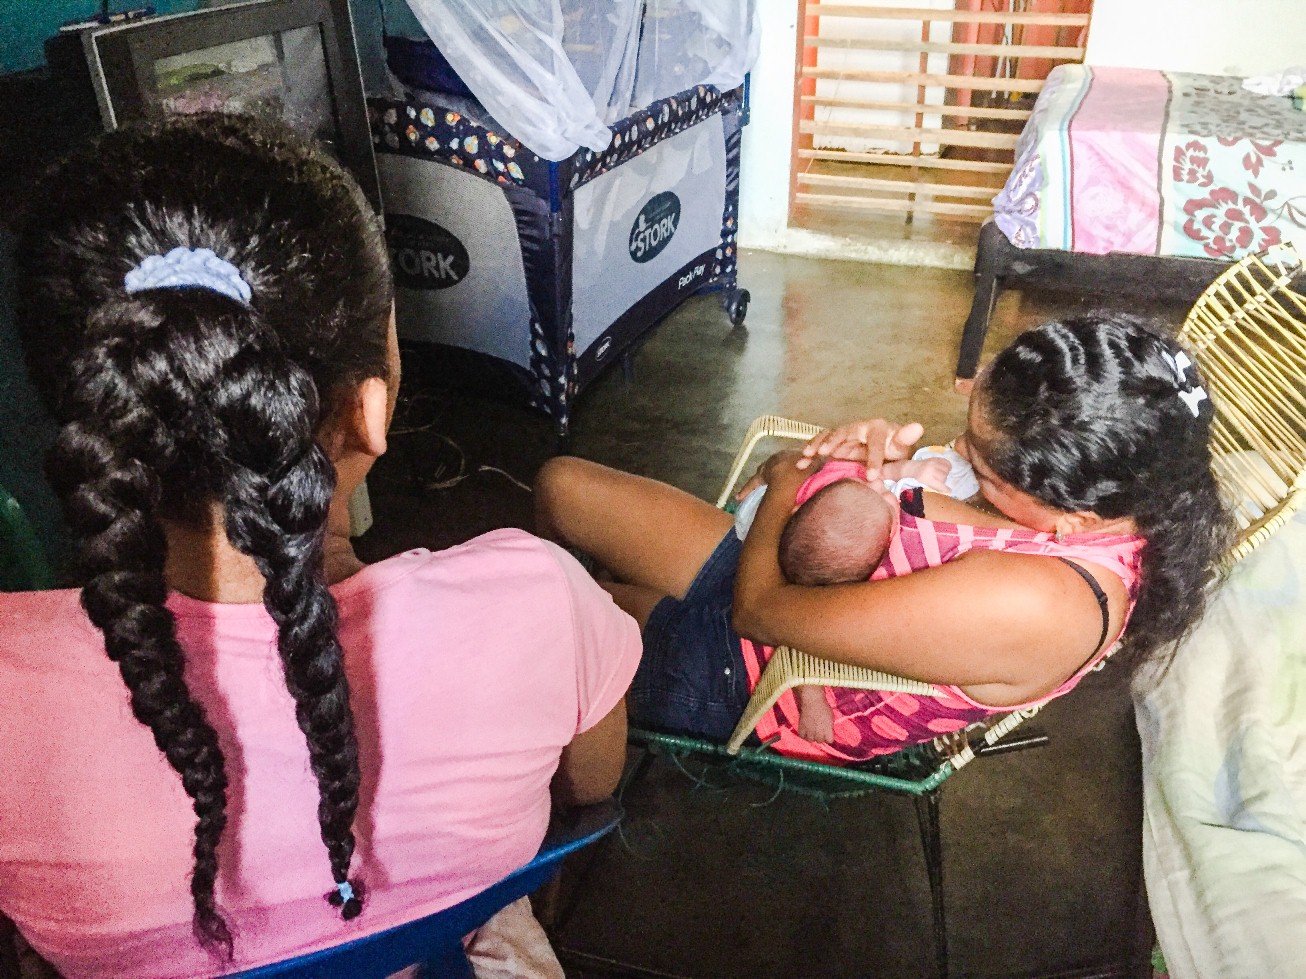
(1136, 181)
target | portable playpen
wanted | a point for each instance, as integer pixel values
(545, 242)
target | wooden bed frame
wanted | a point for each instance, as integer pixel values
(1000, 264)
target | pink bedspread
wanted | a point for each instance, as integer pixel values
(1156, 163)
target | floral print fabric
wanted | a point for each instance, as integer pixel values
(1156, 163)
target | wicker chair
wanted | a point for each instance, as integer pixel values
(917, 771)
(1248, 332)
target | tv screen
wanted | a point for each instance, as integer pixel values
(290, 60)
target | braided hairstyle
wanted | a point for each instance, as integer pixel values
(187, 405)
(1102, 412)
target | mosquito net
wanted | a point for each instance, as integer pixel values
(557, 73)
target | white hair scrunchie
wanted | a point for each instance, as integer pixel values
(189, 268)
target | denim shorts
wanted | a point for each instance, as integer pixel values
(692, 679)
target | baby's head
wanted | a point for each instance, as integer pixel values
(839, 535)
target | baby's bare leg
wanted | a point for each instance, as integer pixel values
(815, 719)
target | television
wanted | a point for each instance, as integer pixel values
(290, 60)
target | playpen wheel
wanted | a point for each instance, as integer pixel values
(736, 305)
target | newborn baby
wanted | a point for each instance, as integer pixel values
(839, 532)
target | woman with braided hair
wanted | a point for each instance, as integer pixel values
(206, 305)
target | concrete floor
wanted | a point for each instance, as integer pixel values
(1041, 848)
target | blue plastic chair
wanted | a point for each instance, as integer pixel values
(436, 941)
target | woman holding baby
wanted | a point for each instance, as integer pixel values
(1102, 524)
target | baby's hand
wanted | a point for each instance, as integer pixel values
(932, 473)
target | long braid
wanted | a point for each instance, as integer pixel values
(105, 466)
(276, 504)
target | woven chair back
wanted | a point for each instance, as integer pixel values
(1248, 332)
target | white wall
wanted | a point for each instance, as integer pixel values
(1218, 37)
(768, 138)
(764, 164)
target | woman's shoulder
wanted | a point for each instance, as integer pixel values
(31, 621)
(508, 563)
(506, 599)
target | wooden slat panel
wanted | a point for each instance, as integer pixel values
(912, 134)
(970, 82)
(956, 16)
(947, 47)
(950, 188)
(954, 111)
(971, 211)
(898, 186)
(902, 160)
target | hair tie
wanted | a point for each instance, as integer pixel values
(194, 268)
(1190, 394)
(346, 891)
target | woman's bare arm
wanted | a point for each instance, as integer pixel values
(1004, 627)
(590, 767)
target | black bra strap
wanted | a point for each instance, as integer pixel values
(1098, 593)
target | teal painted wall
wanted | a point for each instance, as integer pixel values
(25, 24)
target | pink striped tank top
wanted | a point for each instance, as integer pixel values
(871, 722)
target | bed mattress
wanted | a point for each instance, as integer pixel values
(1224, 777)
(1156, 163)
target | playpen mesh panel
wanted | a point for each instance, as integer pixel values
(457, 259)
(642, 222)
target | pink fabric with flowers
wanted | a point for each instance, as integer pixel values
(1156, 163)
(1115, 195)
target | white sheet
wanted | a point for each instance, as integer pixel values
(1224, 770)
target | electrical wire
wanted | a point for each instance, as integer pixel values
(418, 413)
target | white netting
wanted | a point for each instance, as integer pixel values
(694, 42)
(557, 73)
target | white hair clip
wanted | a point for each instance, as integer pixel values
(1179, 363)
(1191, 394)
(1192, 397)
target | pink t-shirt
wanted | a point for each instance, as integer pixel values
(470, 669)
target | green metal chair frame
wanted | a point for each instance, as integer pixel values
(1248, 332)
(23, 564)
